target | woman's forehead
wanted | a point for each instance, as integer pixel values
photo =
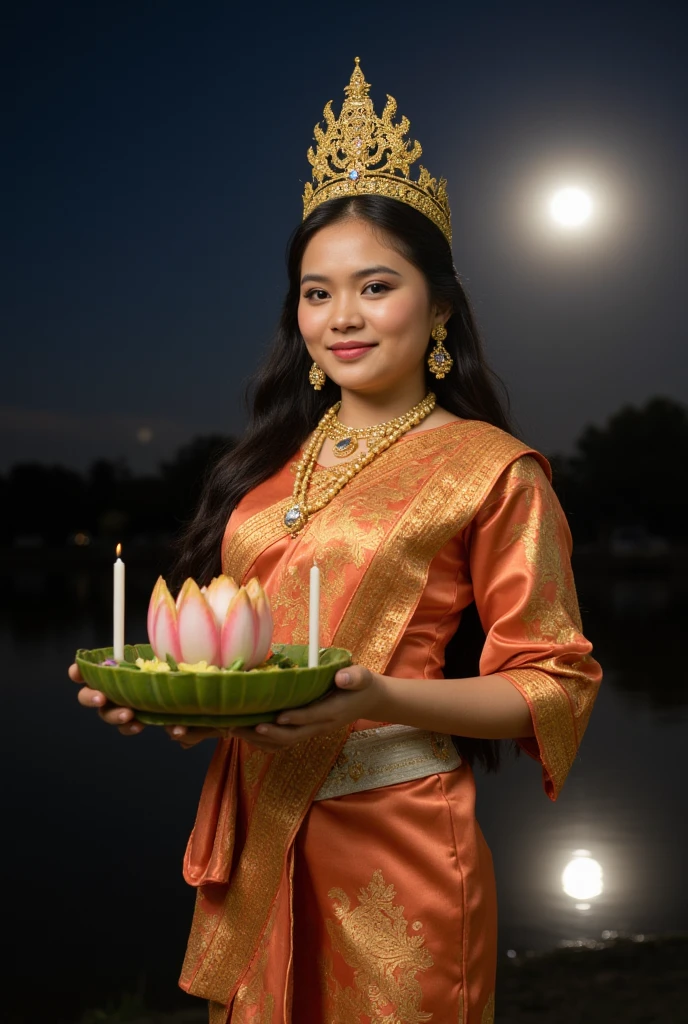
(349, 246)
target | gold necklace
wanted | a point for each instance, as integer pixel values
(298, 514)
(346, 438)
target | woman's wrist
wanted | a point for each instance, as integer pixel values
(385, 706)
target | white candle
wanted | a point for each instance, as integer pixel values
(314, 617)
(118, 607)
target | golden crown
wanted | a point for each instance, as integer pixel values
(363, 154)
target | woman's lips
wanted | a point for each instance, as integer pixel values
(352, 353)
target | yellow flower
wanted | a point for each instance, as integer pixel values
(199, 666)
(154, 665)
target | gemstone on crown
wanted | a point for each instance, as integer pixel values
(354, 175)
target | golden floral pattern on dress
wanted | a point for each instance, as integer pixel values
(374, 940)
(552, 610)
(242, 546)
(346, 532)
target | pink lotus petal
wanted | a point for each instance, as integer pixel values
(218, 595)
(238, 638)
(153, 604)
(165, 635)
(261, 607)
(199, 637)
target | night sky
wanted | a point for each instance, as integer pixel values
(155, 155)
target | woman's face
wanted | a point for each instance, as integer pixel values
(365, 311)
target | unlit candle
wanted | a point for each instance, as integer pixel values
(314, 617)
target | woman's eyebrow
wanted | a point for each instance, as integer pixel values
(366, 272)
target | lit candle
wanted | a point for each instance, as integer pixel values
(314, 617)
(118, 607)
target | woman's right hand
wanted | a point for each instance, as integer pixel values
(123, 718)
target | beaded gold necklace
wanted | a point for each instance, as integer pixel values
(301, 510)
(346, 438)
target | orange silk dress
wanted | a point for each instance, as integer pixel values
(380, 906)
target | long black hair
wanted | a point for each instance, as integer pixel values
(286, 408)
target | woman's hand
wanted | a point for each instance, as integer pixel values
(189, 736)
(123, 718)
(360, 694)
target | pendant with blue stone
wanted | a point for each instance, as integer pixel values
(345, 447)
(294, 518)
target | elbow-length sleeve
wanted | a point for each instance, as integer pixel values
(519, 552)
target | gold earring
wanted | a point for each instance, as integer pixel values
(317, 377)
(439, 360)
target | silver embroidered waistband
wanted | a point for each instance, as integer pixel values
(387, 755)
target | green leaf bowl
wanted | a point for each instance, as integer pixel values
(225, 698)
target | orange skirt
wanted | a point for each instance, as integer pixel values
(395, 907)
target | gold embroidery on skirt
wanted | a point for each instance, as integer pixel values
(373, 940)
(488, 1015)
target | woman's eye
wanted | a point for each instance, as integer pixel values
(316, 293)
(378, 287)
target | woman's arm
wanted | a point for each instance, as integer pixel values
(485, 707)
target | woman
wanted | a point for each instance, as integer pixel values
(341, 873)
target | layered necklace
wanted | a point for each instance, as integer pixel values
(379, 438)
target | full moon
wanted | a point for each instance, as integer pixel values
(571, 207)
(582, 876)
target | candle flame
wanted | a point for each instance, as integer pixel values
(118, 550)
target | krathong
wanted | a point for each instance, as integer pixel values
(211, 662)
(220, 625)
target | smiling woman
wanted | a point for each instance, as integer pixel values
(340, 869)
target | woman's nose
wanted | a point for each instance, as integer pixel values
(346, 314)
(345, 318)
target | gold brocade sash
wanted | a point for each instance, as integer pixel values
(227, 931)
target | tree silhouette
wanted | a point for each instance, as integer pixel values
(42, 501)
(627, 473)
(183, 477)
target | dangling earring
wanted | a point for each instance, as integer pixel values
(439, 360)
(317, 377)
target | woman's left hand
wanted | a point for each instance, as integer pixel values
(359, 694)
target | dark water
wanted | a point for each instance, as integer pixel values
(97, 823)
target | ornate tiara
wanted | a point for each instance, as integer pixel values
(363, 154)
